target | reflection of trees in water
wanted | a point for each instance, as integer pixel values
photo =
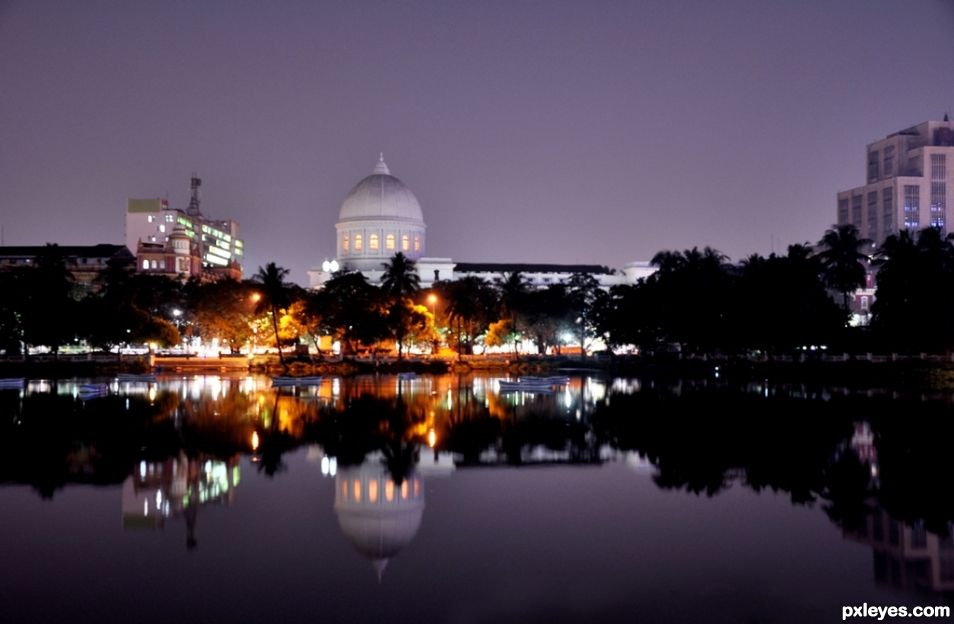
(702, 441)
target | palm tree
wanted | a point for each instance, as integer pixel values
(400, 279)
(844, 263)
(400, 282)
(275, 295)
(513, 294)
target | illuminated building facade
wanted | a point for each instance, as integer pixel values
(908, 174)
(380, 216)
(182, 243)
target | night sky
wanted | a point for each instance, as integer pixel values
(574, 132)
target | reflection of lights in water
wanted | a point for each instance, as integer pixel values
(255, 441)
(431, 438)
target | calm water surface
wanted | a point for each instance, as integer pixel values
(441, 499)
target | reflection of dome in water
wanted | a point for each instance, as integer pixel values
(377, 516)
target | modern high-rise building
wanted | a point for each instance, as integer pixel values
(182, 243)
(908, 175)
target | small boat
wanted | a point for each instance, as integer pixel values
(92, 390)
(12, 383)
(287, 381)
(553, 380)
(539, 387)
(407, 376)
(132, 377)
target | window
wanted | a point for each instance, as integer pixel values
(417, 243)
(150, 219)
(345, 244)
(888, 225)
(162, 228)
(358, 243)
(145, 264)
(938, 204)
(912, 206)
(864, 302)
(873, 215)
(152, 239)
(389, 242)
(405, 242)
(170, 219)
(842, 211)
(153, 264)
(938, 166)
(373, 242)
(873, 166)
(888, 165)
(856, 211)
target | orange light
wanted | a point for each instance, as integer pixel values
(432, 298)
(255, 441)
(256, 297)
(431, 438)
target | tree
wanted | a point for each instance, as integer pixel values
(470, 302)
(274, 297)
(49, 303)
(355, 310)
(585, 297)
(844, 262)
(915, 280)
(399, 283)
(512, 294)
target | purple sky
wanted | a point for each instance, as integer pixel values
(591, 132)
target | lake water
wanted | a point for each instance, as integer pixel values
(443, 499)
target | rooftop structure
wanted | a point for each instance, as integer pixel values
(182, 243)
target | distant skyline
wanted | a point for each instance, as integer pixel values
(567, 132)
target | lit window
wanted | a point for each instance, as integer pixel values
(864, 302)
(389, 491)
(150, 218)
(404, 490)
(417, 243)
(373, 242)
(345, 244)
(372, 491)
(154, 264)
(357, 242)
(162, 228)
(356, 488)
(145, 264)
(389, 242)
(405, 242)
(169, 218)
(152, 239)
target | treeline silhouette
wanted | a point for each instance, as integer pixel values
(696, 302)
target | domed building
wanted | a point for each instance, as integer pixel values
(378, 516)
(379, 217)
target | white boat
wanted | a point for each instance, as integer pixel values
(286, 381)
(523, 385)
(132, 377)
(12, 383)
(553, 380)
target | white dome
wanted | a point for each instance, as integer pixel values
(381, 196)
